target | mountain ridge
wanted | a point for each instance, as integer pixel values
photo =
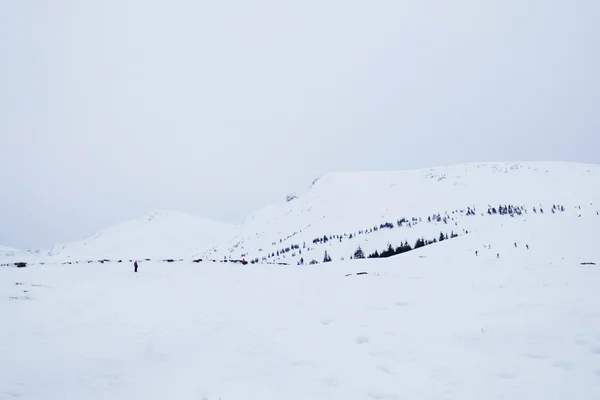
(161, 233)
(344, 205)
(341, 203)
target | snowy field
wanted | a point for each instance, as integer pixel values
(509, 311)
(423, 325)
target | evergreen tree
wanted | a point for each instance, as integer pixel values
(374, 255)
(419, 243)
(326, 258)
(388, 252)
(359, 253)
(442, 238)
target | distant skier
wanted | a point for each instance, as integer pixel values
(135, 266)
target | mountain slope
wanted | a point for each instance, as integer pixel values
(9, 253)
(342, 211)
(436, 323)
(165, 234)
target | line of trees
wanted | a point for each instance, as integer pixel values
(506, 209)
(402, 248)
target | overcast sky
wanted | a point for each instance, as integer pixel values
(112, 109)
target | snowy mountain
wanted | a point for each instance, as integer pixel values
(161, 234)
(437, 323)
(375, 210)
(7, 253)
(505, 311)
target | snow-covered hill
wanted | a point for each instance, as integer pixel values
(161, 234)
(342, 211)
(505, 311)
(435, 323)
(9, 253)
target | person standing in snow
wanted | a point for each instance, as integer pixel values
(135, 266)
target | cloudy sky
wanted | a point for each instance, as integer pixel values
(111, 109)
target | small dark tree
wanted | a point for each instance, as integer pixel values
(374, 255)
(388, 252)
(326, 257)
(419, 243)
(403, 248)
(359, 253)
(442, 237)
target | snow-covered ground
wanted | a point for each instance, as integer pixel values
(435, 323)
(347, 207)
(9, 253)
(350, 210)
(161, 234)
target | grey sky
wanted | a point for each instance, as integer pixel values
(111, 109)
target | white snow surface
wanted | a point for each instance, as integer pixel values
(434, 323)
(9, 252)
(509, 310)
(161, 234)
(345, 203)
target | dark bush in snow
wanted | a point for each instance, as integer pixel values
(290, 197)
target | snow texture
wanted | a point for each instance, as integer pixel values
(346, 203)
(518, 321)
(161, 234)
